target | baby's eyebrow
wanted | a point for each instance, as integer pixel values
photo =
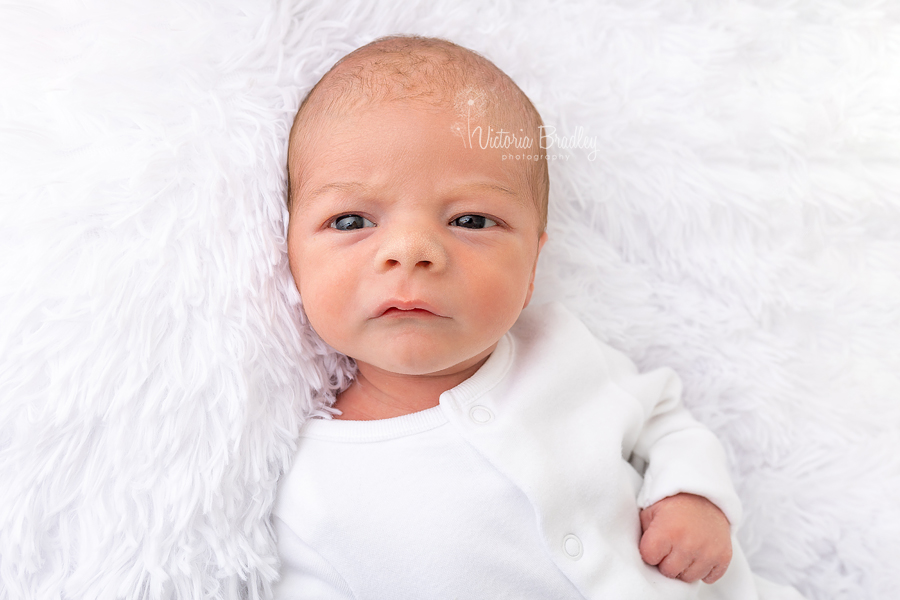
(341, 186)
(355, 186)
(489, 186)
(495, 187)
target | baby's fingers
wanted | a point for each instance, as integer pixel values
(675, 565)
(696, 570)
(708, 569)
(654, 548)
(716, 573)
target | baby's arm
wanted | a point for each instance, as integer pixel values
(689, 504)
(687, 537)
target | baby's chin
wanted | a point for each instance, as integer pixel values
(425, 365)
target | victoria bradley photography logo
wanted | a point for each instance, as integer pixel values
(521, 146)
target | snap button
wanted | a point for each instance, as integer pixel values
(572, 547)
(481, 414)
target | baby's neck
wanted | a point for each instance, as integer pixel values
(378, 394)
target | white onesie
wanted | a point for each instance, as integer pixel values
(518, 485)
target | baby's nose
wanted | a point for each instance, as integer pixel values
(411, 247)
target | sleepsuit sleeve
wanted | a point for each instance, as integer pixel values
(680, 454)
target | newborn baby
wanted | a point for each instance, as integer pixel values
(483, 450)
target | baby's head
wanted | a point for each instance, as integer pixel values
(414, 235)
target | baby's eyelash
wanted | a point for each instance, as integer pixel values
(350, 222)
(473, 221)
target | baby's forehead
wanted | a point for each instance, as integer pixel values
(357, 92)
(360, 87)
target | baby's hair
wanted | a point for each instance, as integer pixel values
(422, 69)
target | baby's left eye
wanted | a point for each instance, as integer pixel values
(473, 222)
(350, 222)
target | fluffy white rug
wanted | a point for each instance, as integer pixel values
(740, 221)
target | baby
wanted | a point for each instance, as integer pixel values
(483, 450)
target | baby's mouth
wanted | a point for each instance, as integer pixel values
(407, 312)
(406, 308)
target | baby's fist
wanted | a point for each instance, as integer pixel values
(688, 537)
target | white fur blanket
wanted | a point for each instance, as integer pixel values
(738, 219)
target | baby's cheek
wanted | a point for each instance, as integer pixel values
(324, 303)
(498, 306)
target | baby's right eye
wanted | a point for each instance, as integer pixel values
(350, 222)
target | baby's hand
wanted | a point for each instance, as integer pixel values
(688, 537)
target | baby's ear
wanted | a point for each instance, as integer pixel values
(541, 241)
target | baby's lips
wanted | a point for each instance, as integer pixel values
(395, 306)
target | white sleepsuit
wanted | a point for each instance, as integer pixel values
(518, 485)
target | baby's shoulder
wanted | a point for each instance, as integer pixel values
(552, 333)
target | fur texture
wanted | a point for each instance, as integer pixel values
(739, 221)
